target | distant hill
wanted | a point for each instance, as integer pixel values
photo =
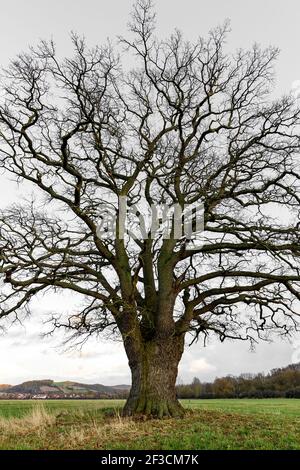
(65, 389)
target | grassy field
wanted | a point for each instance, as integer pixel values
(96, 424)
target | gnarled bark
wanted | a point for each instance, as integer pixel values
(154, 375)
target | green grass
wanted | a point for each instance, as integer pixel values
(273, 406)
(19, 408)
(95, 424)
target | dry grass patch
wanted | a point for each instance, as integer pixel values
(97, 434)
(37, 420)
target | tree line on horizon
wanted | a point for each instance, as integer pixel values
(278, 383)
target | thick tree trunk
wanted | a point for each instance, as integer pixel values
(154, 376)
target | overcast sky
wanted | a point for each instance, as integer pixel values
(24, 353)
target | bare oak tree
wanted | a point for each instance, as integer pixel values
(187, 123)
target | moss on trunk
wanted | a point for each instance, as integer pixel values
(154, 375)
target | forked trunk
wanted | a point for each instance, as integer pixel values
(154, 376)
